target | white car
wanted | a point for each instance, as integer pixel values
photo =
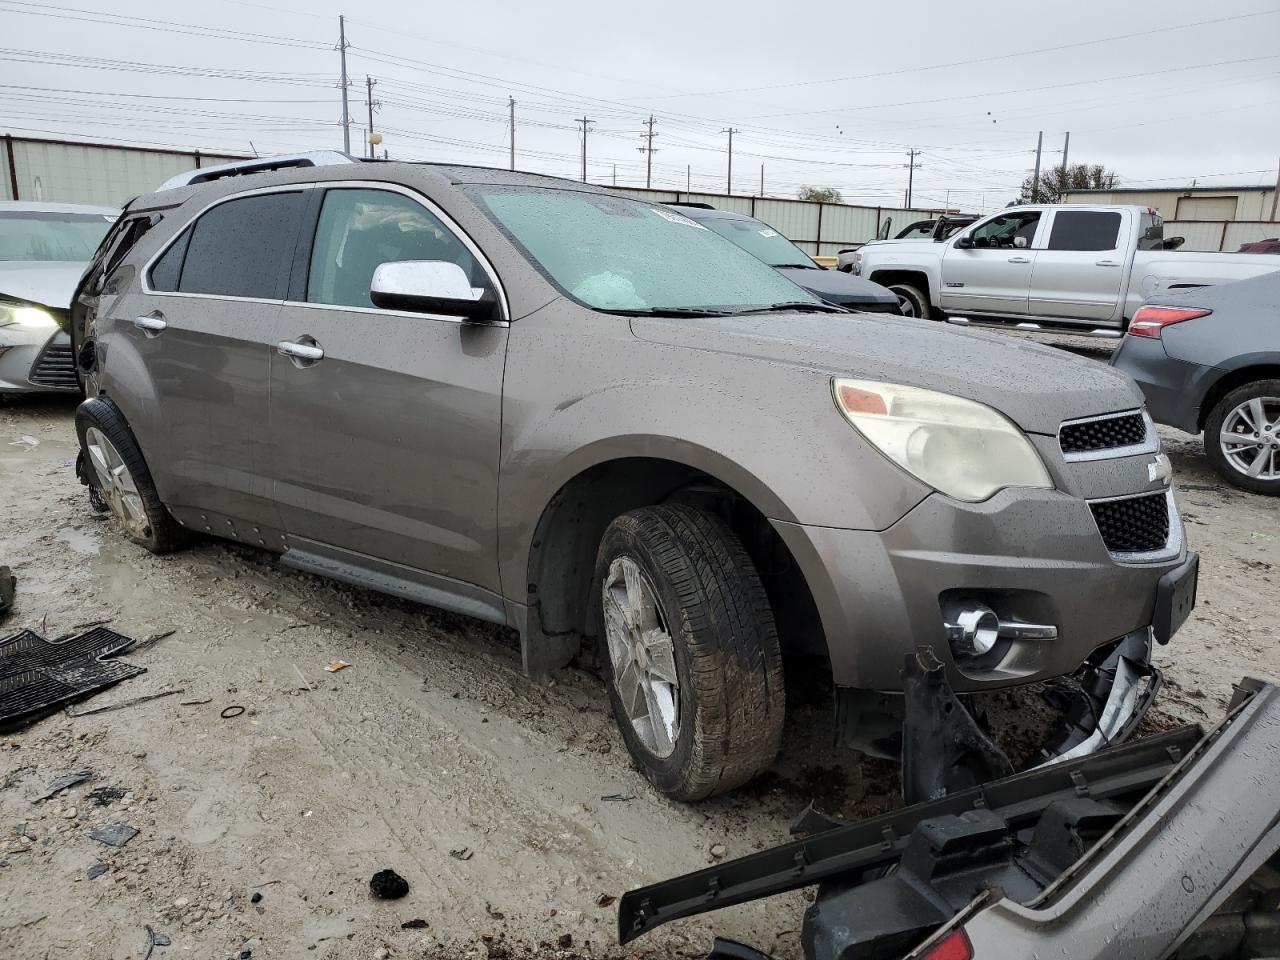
(1072, 264)
(44, 248)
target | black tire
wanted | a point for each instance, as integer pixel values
(912, 302)
(731, 698)
(162, 534)
(1267, 390)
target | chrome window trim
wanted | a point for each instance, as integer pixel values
(1151, 443)
(431, 207)
(1172, 547)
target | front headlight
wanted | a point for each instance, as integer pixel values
(959, 447)
(23, 316)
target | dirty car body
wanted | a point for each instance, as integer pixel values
(1165, 847)
(44, 248)
(587, 417)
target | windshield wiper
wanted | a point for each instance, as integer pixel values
(796, 266)
(795, 306)
(671, 312)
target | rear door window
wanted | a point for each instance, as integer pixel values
(1085, 230)
(168, 269)
(244, 247)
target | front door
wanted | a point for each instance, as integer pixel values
(199, 332)
(1081, 269)
(994, 274)
(386, 426)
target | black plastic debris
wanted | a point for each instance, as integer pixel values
(256, 898)
(8, 585)
(415, 924)
(104, 796)
(61, 782)
(97, 870)
(114, 834)
(37, 676)
(388, 885)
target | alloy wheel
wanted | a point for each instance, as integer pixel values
(116, 483)
(642, 654)
(1250, 438)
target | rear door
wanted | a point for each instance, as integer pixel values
(994, 275)
(1080, 271)
(197, 369)
(386, 441)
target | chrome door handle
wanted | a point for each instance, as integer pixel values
(1019, 259)
(151, 326)
(1106, 263)
(300, 351)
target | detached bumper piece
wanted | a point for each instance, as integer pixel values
(1120, 854)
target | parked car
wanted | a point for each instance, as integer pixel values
(1209, 360)
(1261, 246)
(767, 244)
(1070, 264)
(938, 228)
(585, 416)
(44, 247)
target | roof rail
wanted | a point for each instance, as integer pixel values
(240, 168)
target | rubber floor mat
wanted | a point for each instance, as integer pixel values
(37, 676)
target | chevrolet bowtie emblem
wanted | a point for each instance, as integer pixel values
(1160, 469)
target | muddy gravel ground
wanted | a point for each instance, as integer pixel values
(509, 806)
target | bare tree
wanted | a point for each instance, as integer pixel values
(820, 194)
(1056, 181)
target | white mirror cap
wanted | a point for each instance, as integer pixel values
(439, 279)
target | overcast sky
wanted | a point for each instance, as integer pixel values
(828, 94)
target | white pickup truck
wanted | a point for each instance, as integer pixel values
(1073, 264)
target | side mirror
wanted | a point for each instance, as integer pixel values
(429, 286)
(964, 243)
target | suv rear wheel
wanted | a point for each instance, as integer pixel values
(691, 652)
(118, 473)
(1242, 437)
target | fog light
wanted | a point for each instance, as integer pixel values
(973, 629)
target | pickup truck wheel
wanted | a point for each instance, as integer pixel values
(911, 302)
(1242, 437)
(690, 651)
(121, 478)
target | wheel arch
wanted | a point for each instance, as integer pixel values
(561, 554)
(1265, 368)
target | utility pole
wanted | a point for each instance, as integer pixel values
(911, 173)
(511, 106)
(369, 84)
(586, 122)
(762, 181)
(1066, 145)
(730, 131)
(1035, 177)
(346, 112)
(615, 174)
(688, 181)
(1275, 194)
(648, 151)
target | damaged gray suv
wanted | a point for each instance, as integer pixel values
(587, 417)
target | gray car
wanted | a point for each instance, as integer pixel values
(588, 417)
(44, 247)
(1209, 360)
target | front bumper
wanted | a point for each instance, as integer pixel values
(33, 361)
(1034, 556)
(1174, 389)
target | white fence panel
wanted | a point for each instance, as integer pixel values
(1248, 231)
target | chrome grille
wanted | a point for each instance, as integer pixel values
(1112, 432)
(1134, 524)
(55, 367)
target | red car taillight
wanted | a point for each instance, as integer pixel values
(954, 946)
(1149, 321)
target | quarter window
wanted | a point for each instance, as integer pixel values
(361, 229)
(1085, 230)
(168, 269)
(243, 248)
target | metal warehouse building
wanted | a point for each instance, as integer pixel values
(1210, 218)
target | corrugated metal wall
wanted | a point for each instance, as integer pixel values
(1213, 235)
(88, 173)
(819, 229)
(1249, 204)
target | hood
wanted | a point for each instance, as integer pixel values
(833, 286)
(47, 283)
(1035, 386)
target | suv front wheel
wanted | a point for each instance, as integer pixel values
(690, 650)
